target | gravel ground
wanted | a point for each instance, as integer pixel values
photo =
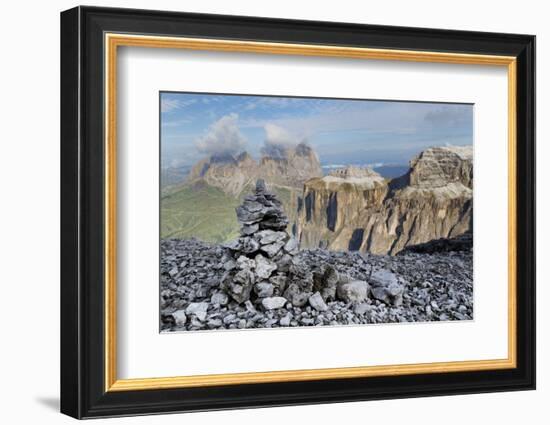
(436, 287)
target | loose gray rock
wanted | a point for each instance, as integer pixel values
(229, 265)
(264, 267)
(249, 229)
(214, 323)
(219, 298)
(326, 282)
(267, 237)
(249, 245)
(285, 321)
(279, 283)
(317, 302)
(272, 303)
(410, 287)
(272, 249)
(263, 289)
(355, 291)
(198, 310)
(296, 296)
(179, 317)
(362, 308)
(383, 277)
(243, 262)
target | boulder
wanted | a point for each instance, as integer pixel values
(296, 295)
(279, 283)
(219, 298)
(326, 281)
(272, 303)
(355, 291)
(267, 237)
(285, 321)
(249, 245)
(263, 289)
(180, 317)
(392, 295)
(243, 262)
(264, 267)
(386, 287)
(272, 249)
(239, 285)
(249, 229)
(198, 310)
(382, 277)
(317, 302)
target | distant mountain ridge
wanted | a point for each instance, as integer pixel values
(291, 167)
(350, 208)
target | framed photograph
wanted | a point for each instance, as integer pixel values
(261, 212)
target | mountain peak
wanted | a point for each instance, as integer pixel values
(222, 157)
(439, 166)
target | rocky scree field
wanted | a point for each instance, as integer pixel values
(262, 280)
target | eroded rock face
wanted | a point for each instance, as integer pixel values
(356, 209)
(437, 167)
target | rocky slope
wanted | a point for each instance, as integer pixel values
(262, 279)
(354, 209)
(437, 287)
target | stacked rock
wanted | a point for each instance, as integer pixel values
(258, 263)
(262, 265)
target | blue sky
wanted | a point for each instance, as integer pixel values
(194, 126)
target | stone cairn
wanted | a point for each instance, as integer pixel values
(263, 265)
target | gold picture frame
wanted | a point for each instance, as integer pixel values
(114, 41)
(91, 40)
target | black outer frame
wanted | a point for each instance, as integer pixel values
(82, 219)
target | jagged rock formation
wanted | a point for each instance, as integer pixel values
(353, 209)
(290, 167)
(227, 172)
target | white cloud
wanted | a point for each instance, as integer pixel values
(223, 136)
(389, 117)
(278, 139)
(278, 136)
(168, 105)
(177, 123)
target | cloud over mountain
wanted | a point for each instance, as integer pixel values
(277, 140)
(222, 137)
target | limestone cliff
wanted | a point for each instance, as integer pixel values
(353, 209)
